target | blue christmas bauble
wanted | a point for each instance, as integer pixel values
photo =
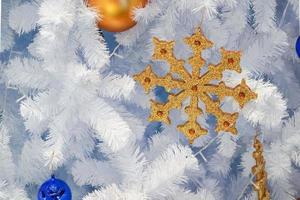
(298, 46)
(54, 189)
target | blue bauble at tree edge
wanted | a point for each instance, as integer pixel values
(54, 189)
(298, 46)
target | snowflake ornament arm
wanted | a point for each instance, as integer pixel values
(195, 86)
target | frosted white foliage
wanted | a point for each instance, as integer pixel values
(7, 35)
(269, 108)
(84, 172)
(72, 86)
(264, 14)
(56, 13)
(220, 161)
(206, 8)
(11, 193)
(54, 154)
(210, 188)
(155, 180)
(295, 5)
(108, 123)
(113, 192)
(160, 142)
(227, 24)
(280, 170)
(264, 46)
(219, 165)
(136, 124)
(6, 163)
(247, 162)
(252, 196)
(291, 138)
(68, 107)
(158, 174)
(146, 14)
(202, 194)
(289, 80)
(236, 22)
(283, 190)
(8, 188)
(116, 86)
(23, 18)
(27, 73)
(236, 186)
(227, 145)
(32, 155)
(263, 51)
(91, 42)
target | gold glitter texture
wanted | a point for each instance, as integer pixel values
(260, 185)
(194, 85)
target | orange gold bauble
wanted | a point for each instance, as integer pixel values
(116, 15)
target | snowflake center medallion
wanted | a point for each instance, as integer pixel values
(197, 87)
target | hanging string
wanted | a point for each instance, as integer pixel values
(114, 52)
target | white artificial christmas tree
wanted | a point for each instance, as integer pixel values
(9, 186)
(79, 113)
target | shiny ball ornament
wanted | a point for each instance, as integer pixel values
(54, 189)
(116, 15)
(298, 46)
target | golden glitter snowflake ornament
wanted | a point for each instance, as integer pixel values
(196, 86)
